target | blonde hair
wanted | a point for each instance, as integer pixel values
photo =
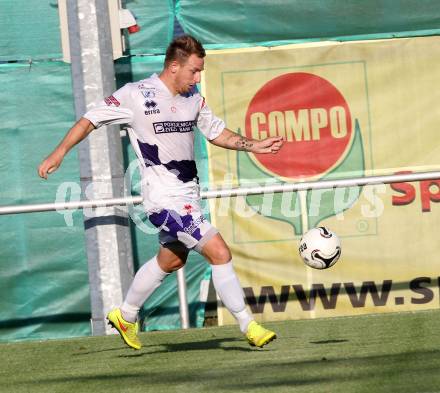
(183, 47)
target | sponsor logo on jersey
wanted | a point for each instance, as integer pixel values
(111, 100)
(173, 109)
(166, 127)
(150, 104)
(152, 112)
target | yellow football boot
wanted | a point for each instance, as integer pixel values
(127, 330)
(258, 336)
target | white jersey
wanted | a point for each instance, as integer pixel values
(161, 131)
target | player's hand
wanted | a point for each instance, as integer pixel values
(268, 145)
(50, 164)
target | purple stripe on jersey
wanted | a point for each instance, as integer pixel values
(150, 153)
(172, 223)
(185, 170)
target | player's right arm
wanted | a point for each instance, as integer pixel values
(112, 110)
(76, 134)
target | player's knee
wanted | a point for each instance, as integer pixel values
(220, 255)
(177, 265)
(172, 257)
(173, 264)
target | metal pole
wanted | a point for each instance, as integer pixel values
(316, 185)
(107, 232)
(231, 192)
(183, 300)
(44, 207)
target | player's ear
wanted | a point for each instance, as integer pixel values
(174, 66)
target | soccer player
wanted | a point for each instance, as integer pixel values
(161, 112)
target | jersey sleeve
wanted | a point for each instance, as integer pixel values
(210, 125)
(114, 109)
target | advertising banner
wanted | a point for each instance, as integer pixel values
(345, 110)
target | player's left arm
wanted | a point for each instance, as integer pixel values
(231, 140)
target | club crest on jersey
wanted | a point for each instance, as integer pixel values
(149, 93)
(111, 100)
(151, 106)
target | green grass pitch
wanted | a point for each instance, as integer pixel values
(377, 353)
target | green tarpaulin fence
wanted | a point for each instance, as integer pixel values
(243, 23)
(30, 28)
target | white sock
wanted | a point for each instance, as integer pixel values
(146, 280)
(231, 294)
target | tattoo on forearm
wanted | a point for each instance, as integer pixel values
(243, 143)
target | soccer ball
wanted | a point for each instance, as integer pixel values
(320, 248)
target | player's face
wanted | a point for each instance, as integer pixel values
(188, 74)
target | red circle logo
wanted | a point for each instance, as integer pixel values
(312, 116)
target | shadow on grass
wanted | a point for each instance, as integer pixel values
(98, 351)
(214, 344)
(329, 341)
(148, 350)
